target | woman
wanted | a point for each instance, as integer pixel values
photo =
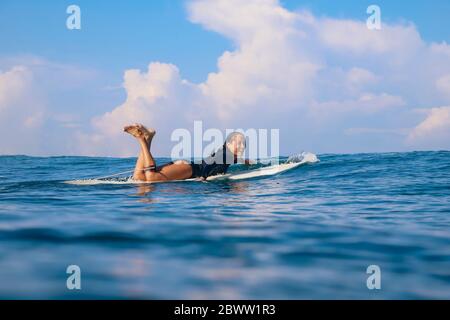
(217, 163)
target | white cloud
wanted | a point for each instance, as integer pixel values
(443, 85)
(20, 113)
(360, 76)
(434, 131)
(441, 48)
(158, 97)
(36, 99)
(267, 69)
(366, 103)
(13, 84)
(354, 37)
(244, 21)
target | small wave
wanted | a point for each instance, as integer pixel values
(89, 182)
(303, 157)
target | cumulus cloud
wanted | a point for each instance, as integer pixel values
(17, 114)
(364, 104)
(13, 83)
(36, 105)
(349, 36)
(443, 84)
(434, 131)
(157, 96)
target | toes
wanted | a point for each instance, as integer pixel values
(136, 130)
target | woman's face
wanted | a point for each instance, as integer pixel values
(237, 145)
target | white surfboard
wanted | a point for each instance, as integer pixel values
(266, 171)
(293, 162)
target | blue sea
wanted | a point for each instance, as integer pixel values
(309, 233)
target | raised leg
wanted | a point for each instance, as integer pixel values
(179, 170)
(138, 130)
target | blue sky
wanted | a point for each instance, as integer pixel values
(117, 36)
(159, 30)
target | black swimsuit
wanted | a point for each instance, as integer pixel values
(217, 163)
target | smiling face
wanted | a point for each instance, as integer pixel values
(236, 144)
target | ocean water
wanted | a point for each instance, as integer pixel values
(309, 233)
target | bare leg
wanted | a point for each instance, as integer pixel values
(177, 171)
(138, 129)
(138, 173)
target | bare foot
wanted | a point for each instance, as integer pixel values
(134, 130)
(148, 133)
